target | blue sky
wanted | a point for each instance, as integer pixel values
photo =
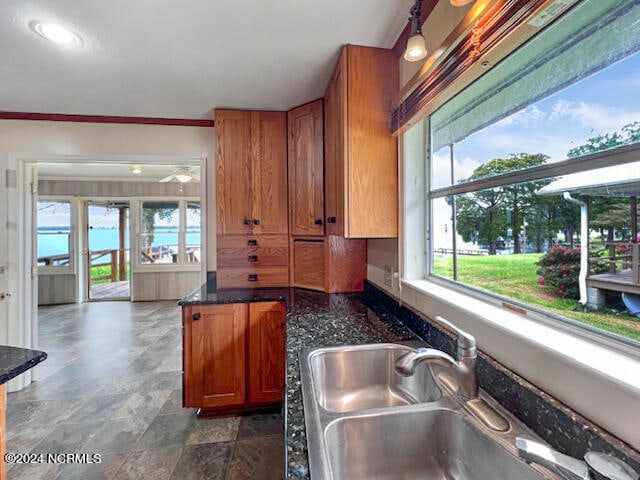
(600, 103)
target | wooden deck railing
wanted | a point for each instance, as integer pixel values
(116, 259)
(629, 259)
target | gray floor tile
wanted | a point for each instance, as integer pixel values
(173, 403)
(117, 436)
(105, 470)
(156, 464)
(168, 430)
(204, 462)
(67, 438)
(213, 430)
(258, 458)
(260, 424)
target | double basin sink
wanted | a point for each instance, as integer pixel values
(365, 421)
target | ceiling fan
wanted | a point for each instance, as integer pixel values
(182, 175)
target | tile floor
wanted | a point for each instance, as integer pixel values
(112, 385)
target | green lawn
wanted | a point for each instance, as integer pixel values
(514, 276)
(103, 271)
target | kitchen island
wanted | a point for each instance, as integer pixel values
(13, 362)
(313, 319)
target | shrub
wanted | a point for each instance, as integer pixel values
(559, 270)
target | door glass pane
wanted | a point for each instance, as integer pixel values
(160, 227)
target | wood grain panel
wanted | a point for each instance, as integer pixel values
(214, 355)
(266, 351)
(309, 264)
(233, 171)
(346, 264)
(373, 151)
(269, 173)
(235, 241)
(64, 117)
(335, 148)
(253, 257)
(266, 277)
(306, 169)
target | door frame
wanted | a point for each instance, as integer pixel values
(83, 254)
(22, 309)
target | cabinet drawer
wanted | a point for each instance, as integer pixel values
(253, 277)
(238, 241)
(253, 257)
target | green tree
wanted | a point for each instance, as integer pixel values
(484, 216)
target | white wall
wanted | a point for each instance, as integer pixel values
(71, 138)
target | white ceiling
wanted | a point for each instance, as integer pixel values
(107, 172)
(181, 59)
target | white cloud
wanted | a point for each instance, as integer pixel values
(530, 115)
(597, 117)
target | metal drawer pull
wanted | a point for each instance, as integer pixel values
(252, 243)
(195, 316)
(318, 221)
(331, 219)
(247, 222)
(253, 258)
(252, 277)
(256, 222)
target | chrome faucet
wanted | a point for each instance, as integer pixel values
(464, 368)
(596, 465)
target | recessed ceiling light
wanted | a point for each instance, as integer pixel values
(56, 33)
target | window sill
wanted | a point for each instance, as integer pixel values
(570, 348)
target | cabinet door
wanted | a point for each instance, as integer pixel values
(266, 352)
(269, 172)
(306, 169)
(233, 172)
(335, 125)
(214, 355)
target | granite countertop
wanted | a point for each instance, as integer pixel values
(205, 295)
(14, 361)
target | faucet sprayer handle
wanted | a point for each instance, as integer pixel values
(466, 341)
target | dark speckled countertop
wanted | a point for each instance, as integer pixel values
(14, 361)
(209, 296)
(314, 319)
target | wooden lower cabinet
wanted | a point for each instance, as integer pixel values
(233, 355)
(266, 352)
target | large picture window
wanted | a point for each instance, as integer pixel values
(170, 232)
(535, 168)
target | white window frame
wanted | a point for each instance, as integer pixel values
(73, 236)
(136, 229)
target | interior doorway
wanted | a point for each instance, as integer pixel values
(108, 253)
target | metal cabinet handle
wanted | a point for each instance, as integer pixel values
(256, 222)
(331, 219)
(252, 258)
(252, 243)
(252, 277)
(247, 222)
(195, 316)
(318, 221)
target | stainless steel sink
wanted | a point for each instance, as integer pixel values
(346, 379)
(363, 421)
(432, 445)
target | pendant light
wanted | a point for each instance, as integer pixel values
(416, 46)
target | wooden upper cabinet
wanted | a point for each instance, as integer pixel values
(214, 355)
(233, 172)
(306, 169)
(266, 351)
(361, 154)
(251, 175)
(335, 148)
(269, 172)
